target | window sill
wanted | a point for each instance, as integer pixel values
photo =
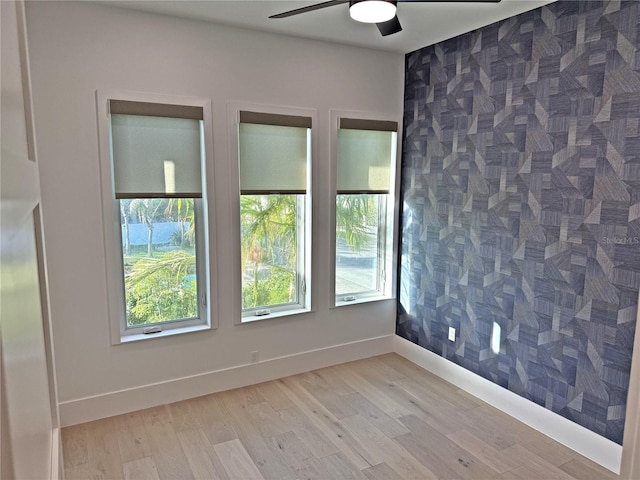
(280, 314)
(166, 333)
(359, 301)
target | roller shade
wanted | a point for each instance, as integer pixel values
(156, 150)
(274, 153)
(366, 150)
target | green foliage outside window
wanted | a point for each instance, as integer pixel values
(162, 288)
(278, 289)
(268, 226)
(160, 285)
(354, 215)
(160, 280)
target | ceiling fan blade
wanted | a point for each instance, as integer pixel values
(390, 26)
(310, 8)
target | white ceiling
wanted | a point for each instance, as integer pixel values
(423, 23)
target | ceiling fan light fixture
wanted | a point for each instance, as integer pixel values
(372, 11)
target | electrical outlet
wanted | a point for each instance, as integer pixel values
(452, 334)
(254, 357)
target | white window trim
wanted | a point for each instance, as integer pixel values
(116, 311)
(390, 234)
(233, 119)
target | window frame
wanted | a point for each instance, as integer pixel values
(304, 233)
(120, 332)
(387, 219)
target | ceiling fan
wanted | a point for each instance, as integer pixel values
(380, 12)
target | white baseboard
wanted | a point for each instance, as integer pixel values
(584, 441)
(87, 409)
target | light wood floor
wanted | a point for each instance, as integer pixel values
(381, 418)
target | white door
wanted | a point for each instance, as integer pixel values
(29, 436)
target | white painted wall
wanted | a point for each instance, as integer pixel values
(77, 48)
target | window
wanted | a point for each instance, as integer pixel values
(274, 158)
(155, 189)
(366, 152)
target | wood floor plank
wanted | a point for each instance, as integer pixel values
(441, 455)
(381, 417)
(444, 390)
(487, 420)
(498, 460)
(214, 417)
(383, 449)
(440, 414)
(201, 455)
(274, 396)
(168, 455)
(308, 433)
(534, 441)
(333, 381)
(522, 473)
(312, 469)
(480, 423)
(268, 459)
(381, 471)
(386, 424)
(244, 396)
(319, 388)
(502, 431)
(399, 363)
(132, 437)
(77, 472)
(444, 421)
(141, 469)
(538, 464)
(103, 451)
(293, 450)
(185, 415)
(586, 470)
(340, 468)
(74, 445)
(267, 420)
(327, 423)
(554, 453)
(236, 461)
(372, 392)
(217, 464)
(376, 366)
(298, 457)
(389, 388)
(429, 395)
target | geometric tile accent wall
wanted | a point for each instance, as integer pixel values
(521, 205)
